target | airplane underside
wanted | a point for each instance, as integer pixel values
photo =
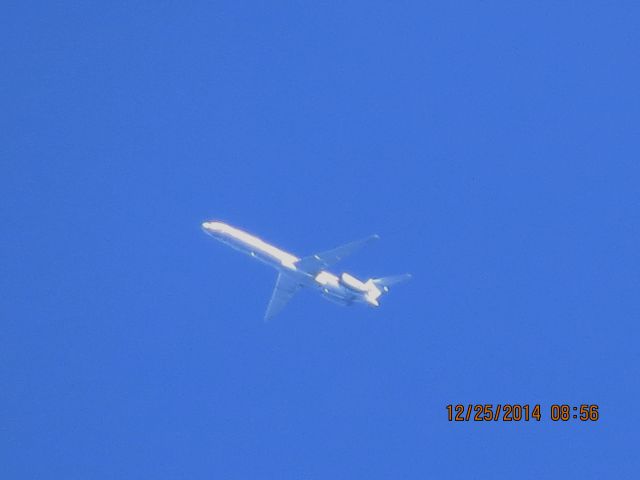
(311, 271)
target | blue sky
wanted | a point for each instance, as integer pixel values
(492, 145)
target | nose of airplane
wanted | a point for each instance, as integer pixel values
(212, 227)
(206, 227)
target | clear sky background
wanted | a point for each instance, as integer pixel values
(493, 146)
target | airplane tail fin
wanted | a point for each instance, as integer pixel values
(385, 282)
(377, 287)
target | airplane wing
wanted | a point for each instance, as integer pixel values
(285, 288)
(314, 263)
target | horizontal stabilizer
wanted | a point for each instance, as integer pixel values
(320, 261)
(386, 282)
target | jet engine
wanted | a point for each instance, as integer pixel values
(352, 283)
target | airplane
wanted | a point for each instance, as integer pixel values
(295, 273)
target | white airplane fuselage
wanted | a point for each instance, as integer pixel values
(344, 289)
